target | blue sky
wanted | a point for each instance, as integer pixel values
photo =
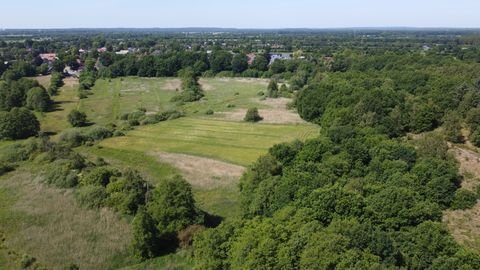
(239, 14)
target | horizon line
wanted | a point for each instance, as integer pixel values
(251, 28)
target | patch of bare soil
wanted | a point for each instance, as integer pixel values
(172, 85)
(203, 172)
(465, 224)
(277, 113)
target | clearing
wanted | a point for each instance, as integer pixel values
(465, 224)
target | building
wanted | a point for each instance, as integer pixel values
(279, 56)
(48, 57)
(122, 52)
(251, 58)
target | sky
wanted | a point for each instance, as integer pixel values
(239, 14)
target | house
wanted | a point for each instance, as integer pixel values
(82, 51)
(279, 56)
(48, 57)
(122, 52)
(251, 58)
(102, 50)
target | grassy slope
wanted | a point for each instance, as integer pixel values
(47, 224)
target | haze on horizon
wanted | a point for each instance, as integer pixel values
(240, 14)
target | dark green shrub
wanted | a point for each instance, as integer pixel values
(464, 199)
(252, 115)
(72, 138)
(61, 173)
(475, 137)
(27, 261)
(98, 133)
(91, 196)
(99, 176)
(5, 168)
(209, 112)
(77, 118)
(118, 133)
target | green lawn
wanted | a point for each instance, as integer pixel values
(111, 98)
(234, 142)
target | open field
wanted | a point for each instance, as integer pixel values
(111, 98)
(65, 101)
(46, 223)
(237, 143)
(465, 224)
(211, 152)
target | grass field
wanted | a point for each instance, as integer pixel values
(238, 143)
(47, 224)
(66, 100)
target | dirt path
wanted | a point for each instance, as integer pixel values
(465, 224)
(202, 172)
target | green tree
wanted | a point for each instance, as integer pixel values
(239, 63)
(252, 115)
(453, 128)
(38, 99)
(145, 235)
(19, 123)
(272, 89)
(77, 118)
(260, 62)
(172, 206)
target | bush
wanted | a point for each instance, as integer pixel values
(464, 199)
(99, 133)
(118, 133)
(252, 115)
(77, 118)
(27, 261)
(209, 112)
(62, 174)
(99, 176)
(91, 196)
(5, 168)
(72, 138)
(475, 137)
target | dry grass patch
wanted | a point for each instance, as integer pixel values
(49, 226)
(202, 172)
(469, 167)
(172, 85)
(464, 225)
(276, 112)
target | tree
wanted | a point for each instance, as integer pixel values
(172, 206)
(252, 115)
(239, 63)
(19, 123)
(260, 62)
(77, 118)
(453, 128)
(38, 99)
(273, 89)
(145, 235)
(221, 61)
